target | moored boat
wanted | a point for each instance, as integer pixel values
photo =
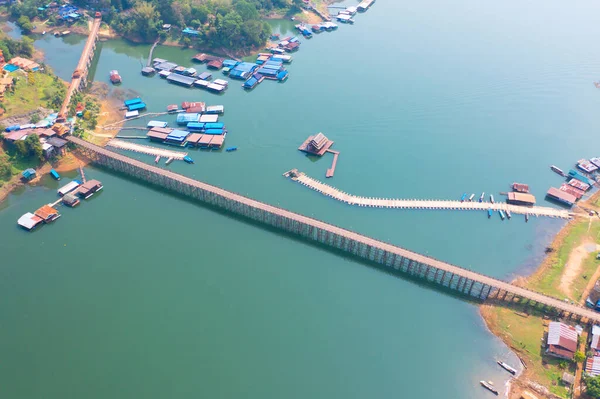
(502, 216)
(526, 217)
(481, 197)
(471, 197)
(157, 159)
(230, 149)
(464, 196)
(490, 213)
(506, 366)
(169, 160)
(489, 386)
(54, 174)
(558, 170)
(188, 159)
(492, 198)
(115, 78)
(508, 214)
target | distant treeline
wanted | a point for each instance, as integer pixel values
(234, 24)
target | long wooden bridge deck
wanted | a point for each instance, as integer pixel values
(465, 281)
(350, 199)
(146, 149)
(80, 74)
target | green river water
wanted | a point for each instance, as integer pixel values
(139, 293)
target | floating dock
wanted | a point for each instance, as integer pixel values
(371, 202)
(331, 170)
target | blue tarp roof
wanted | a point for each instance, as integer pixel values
(230, 63)
(251, 82)
(271, 62)
(205, 75)
(246, 66)
(195, 125)
(178, 135)
(185, 118)
(268, 72)
(214, 131)
(214, 125)
(271, 67)
(132, 101)
(235, 74)
(188, 31)
(136, 107)
(282, 75)
(13, 128)
(576, 175)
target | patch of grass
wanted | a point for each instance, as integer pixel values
(548, 280)
(29, 94)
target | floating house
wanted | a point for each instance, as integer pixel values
(217, 141)
(214, 132)
(215, 109)
(29, 221)
(205, 76)
(316, 145)
(177, 137)
(221, 82)
(165, 66)
(364, 5)
(158, 134)
(132, 101)
(131, 114)
(172, 108)
(520, 187)
(562, 340)
(195, 104)
(70, 200)
(67, 188)
(136, 107)
(181, 80)
(577, 193)
(519, 198)
(251, 83)
(114, 76)
(579, 185)
(147, 71)
(179, 70)
(189, 72)
(230, 63)
(243, 70)
(561, 196)
(204, 141)
(344, 18)
(89, 188)
(282, 76)
(215, 64)
(164, 74)
(152, 124)
(203, 84)
(47, 214)
(208, 118)
(216, 88)
(576, 175)
(185, 118)
(193, 139)
(595, 161)
(195, 126)
(586, 166)
(214, 125)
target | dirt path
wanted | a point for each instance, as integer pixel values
(574, 264)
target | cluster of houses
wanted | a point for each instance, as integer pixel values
(65, 12)
(563, 340)
(49, 133)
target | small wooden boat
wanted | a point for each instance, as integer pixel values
(54, 174)
(492, 198)
(508, 214)
(526, 217)
(230, 149)
(481, 197)
(44, 32)
(471, 197)
(507, 367)
(502, 216)
(490, 213)
(489, 386)
(464, 196)
(188, 159)
(557, 170)
(157, 159)
(169, 160)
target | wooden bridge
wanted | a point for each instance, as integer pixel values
(79, 77)
(422, 204)
(146, 149)
(394, 258)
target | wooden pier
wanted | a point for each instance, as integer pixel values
(371, 202)
(399, 260)
(331, 170)
(146, 149)
(149, 62)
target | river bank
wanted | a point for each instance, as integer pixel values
(568, 272)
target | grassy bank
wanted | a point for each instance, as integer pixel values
(568, 272)
(31, 91)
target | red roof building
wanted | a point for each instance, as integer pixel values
(562, 340)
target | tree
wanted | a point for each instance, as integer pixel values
(25, 24)
(21, 147)
(33, 146)
(579, 357)
(593, 386)
(5, 166)
(35, 118)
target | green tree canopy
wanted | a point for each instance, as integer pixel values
(593, 386)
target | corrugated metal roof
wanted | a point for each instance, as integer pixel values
(562, 335)
(561, 195)
(521, 197)
(592, 366)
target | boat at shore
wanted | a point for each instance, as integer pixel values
(489, 386)
(492, 198)
(157, 159)
(481, 197)
(471, 197)
(464, 196)
(502, 216)
(188, 159)
(506, 366)
(508, 214)
(169, 160)
(558, 170)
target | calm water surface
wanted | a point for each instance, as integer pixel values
(137, 293)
